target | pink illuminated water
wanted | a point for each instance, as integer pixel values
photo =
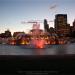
(38, 43)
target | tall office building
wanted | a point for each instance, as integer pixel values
(46, 26)
(61, 26)
(73, 25)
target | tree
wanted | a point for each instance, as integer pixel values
(7, 33)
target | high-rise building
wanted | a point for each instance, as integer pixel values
(73, 26)
(61, 26)
(46, 26)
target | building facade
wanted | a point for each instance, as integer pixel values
(73, 26)
(61, 26)
(46, 26)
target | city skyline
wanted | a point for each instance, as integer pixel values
(12, 12)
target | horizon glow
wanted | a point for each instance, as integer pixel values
(12, 12)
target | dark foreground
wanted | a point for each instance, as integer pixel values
(37, 65)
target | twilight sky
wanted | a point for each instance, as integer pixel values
(13, 12)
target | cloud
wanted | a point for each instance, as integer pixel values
(54, 6)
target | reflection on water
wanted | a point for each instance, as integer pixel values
(70, 49)
(61, 49)
(50, 50)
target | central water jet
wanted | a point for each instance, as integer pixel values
(37, 41)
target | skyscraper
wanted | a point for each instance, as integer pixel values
(61, 26)
(73, 26)
(73, 29)
(46, 26)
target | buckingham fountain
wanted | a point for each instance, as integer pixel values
(37, 41)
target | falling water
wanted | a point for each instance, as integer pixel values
(37, 41)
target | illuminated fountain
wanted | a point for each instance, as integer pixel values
(37, 41)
